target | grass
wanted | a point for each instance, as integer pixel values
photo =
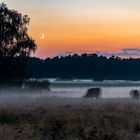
(53, 118)
(94, 84)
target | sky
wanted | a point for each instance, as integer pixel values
(82, 26)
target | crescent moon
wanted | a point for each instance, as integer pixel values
(43, 36)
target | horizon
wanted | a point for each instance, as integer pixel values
(78, 26)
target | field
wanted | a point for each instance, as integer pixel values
(55, 118)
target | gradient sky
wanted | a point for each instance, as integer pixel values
(108, 26)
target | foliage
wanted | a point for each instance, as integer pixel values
(91, 66)
(37, 85)
(15, 44)
(14, 40)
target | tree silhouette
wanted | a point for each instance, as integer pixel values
(15, 44)
(14, 40)
(90, 66)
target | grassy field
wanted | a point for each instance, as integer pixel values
(53, 118)
(94, 84)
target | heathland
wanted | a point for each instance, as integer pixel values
(54, 118)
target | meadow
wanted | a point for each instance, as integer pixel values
(61, 113)
(57, 118)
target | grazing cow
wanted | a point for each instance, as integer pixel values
(93, 93)
(135, 94)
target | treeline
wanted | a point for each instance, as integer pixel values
(91, 66)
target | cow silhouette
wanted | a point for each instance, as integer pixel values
(93, 93)
(135, 94)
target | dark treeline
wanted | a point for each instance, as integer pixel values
(91, 66)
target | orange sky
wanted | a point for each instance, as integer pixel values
(82, 25)
(89, 37)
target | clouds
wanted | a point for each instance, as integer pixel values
(65, 54)
(131, 51)
(124, 52)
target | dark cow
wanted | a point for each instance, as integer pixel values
(93, 93)
(135, 94)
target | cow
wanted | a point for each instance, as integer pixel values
(135, 94)
(93, 93)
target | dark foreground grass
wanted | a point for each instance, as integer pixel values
(70, 119)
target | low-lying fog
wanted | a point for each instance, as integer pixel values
(107, 92)
(76, 89)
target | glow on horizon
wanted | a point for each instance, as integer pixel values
(81, 25)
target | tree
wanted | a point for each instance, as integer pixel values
(14, 40)
(15, 43)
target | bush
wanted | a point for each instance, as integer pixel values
(37, 85)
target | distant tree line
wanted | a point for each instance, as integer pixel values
(93, 66)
